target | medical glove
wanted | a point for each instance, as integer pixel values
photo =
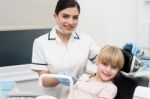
(64, 81)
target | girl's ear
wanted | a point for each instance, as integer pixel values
(118, 73)
(97, 64)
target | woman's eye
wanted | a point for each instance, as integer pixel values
(65, 16)
(75, 17)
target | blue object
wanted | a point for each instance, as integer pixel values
(6, 86)
(4, 94)
(135, 49)
(131, 48)
(64, 81)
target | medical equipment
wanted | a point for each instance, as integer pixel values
(22, 95)
(136, 64)
(66, 82)
(131, 48)
(132, 62)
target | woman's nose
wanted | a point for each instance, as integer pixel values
(70, 21)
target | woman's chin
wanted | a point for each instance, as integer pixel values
(68, 32)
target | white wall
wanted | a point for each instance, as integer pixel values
(109, 21)
(24, 14)
(143, 22)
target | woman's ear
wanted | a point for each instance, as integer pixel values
(55, 16)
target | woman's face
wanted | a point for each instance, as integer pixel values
(106, 72)
(67, 19)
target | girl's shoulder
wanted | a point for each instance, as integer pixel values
(84, 77)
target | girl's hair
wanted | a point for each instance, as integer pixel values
(111, 55)
(63, 4)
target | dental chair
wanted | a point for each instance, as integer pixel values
(126, 84)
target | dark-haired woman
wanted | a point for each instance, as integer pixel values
(63, 49)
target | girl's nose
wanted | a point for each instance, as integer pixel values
(109, 68)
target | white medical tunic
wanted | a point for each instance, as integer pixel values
(49, 53)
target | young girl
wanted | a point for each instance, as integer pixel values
(100, 86)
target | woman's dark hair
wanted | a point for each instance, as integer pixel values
(63, 4)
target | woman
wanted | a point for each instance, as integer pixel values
(63, 49)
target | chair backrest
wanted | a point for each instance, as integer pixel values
(126, 85)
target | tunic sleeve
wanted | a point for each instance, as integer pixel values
(38, 60)
(94, 50)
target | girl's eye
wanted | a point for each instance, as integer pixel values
(114, 67)
(105, 64)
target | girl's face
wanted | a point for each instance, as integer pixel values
(106, 72)
(67, 19)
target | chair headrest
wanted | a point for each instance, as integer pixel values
(128, 61)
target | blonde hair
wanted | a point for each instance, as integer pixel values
(111, 55)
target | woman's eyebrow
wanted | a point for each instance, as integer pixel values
(69, 14)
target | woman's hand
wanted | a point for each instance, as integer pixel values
(47, 82)
(64, 81)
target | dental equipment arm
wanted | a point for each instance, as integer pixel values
(29, 95)
(64, 81)
(59, 76)
(47, 82)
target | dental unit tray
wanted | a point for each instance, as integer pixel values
(28, 95)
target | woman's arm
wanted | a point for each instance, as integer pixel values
(47, 82)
